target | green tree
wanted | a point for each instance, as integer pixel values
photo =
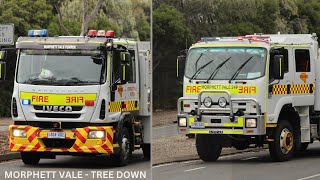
(26, 14)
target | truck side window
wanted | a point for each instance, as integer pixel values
(132, 68)
(116, 65)
(302, 57)
(283, 52)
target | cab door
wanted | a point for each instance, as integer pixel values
(124, 87)
(279, 88)
(304, 74)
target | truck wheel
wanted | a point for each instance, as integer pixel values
(125, 153)
(146, 151)
(281, 149)
(30, 158)
(208, 147)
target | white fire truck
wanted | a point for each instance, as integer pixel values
(249, 91)
(81, 95)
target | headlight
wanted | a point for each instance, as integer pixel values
(182, 122)
(207, 102)
(251, 123)
(222, 102)
(96, 135)
(19, 133)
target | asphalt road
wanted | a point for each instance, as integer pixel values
(164, 131)
(70, 167)
(245, 166)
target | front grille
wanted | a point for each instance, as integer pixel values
(57, 115)
(58, 143)
(74, 108)
(64, 125)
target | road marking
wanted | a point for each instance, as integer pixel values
(11, 161)
(249, 158)
(188, 162)
(309, 177)
(194, 169)
(164, 165)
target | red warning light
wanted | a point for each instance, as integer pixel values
(89, 102)
(110, 34)
(92, 33)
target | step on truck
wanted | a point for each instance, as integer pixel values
(81, 95)
(249, 91)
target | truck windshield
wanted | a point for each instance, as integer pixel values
(58, 67)
(225, 63)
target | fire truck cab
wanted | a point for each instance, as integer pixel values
(81, 95)
(249, 91)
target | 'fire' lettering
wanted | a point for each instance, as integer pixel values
(36, 98)
(74, 99)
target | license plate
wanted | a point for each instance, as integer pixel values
(60, 135)
(198, 125)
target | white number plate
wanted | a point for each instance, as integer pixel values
(60, 135)
(198, 125)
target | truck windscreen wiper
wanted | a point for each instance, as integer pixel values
(199, 70)
(38, 81)
(239, 69)
(77, 81)
(214, 73)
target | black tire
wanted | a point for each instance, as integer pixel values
(30, 158)
(122, 158)
(208, 147)
(146, 151)
(282, 148)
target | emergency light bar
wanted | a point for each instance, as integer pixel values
(101, 33)
(38, 33)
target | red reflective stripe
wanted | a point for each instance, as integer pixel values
(27, 128)
(33, 135)
(100, 128)
(86, 129)
(11, 145)
(92, 149)
(77, 148)
(81, 138)
(48, 150)
(14, 126)
(106, 148)
(36, 147)
(109, 138)
(64, 150)
(22, 147)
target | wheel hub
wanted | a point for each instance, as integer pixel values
(286, 141)
(125, 147)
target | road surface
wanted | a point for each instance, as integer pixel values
(65, 167)
(246, 166)
(164, 131)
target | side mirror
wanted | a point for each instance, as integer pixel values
(97, 59)
(125, 57)
(2, 71)
(278, 67)
(181, 62)
(3, 55)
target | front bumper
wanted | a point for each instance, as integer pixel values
(225, 127)
(213, 123)
(75, 141)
